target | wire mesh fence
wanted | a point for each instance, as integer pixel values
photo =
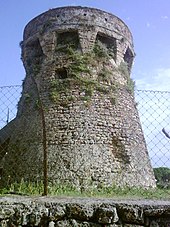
(9, 97)
(154, 112)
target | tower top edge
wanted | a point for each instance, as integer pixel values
(79, 15)
(76, 8)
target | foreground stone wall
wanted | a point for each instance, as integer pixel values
(78, 212)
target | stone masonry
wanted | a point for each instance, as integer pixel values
(78, 212)
(78, 62)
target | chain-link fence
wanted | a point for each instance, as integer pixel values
(9, 97)
(154, 111)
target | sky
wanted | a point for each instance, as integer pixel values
(148, 20)
(154, 112)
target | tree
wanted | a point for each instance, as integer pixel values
(162, 175)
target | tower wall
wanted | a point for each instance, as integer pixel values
(78, 63)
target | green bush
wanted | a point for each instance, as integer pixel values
(162, 175)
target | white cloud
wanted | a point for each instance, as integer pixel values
(148, 25)
(164, 17)
(160, 80)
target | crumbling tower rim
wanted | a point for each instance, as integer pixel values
(90, 9)
(89, 22)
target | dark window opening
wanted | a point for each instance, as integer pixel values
(68, 39)
(85, 14)
(34, 57)
(35, 48)
(105, 19)
(35, 53)
(61, 73)
(128, 58)
(108, 44)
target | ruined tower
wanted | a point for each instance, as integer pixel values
(78, 62)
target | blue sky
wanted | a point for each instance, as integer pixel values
(149, 22)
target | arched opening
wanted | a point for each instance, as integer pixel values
(128, 58)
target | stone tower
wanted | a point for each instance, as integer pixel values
(78, 62)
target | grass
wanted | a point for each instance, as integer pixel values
(27, 188)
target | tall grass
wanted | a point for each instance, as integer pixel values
(29, 188)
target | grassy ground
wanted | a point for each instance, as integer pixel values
(67, 190)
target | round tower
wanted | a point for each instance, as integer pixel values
(78, 62)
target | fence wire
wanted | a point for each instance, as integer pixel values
(9, 97)
(154, 112)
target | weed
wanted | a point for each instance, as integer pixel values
(71, 98)
(113, 100)
(101, 50)
(123, 68)
(79, 65)
(130, 86)
(54, 96)
(86, 98)
(105, 75)
(36, 188)
(103, 89)
(27, 97)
